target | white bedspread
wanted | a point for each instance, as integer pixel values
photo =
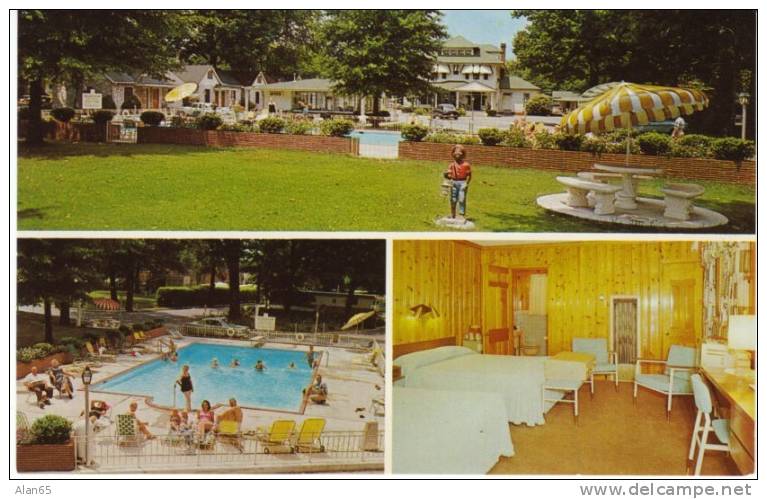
(438, 431)
(517, 379)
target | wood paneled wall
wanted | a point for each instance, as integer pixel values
(582, 277)
(445, 275)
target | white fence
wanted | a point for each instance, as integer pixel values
(317, 339)
(384, 151)
(341, 448)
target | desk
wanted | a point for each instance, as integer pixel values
(737, 402)
(626, 197)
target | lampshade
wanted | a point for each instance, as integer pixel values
(741, 332)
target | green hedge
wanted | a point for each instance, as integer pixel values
(198, 296)
(414, 132)
(50, 429)
(336, 127)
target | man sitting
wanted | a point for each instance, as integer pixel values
(233, 413)
(142, 426)
(38, 383)
(318, 392)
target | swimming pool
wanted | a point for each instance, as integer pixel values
(277, 387)
(377, 138)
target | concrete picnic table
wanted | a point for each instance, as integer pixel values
(626, 197)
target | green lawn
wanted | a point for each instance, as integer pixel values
(155, 187)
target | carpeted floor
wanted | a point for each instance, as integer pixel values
(613, 437)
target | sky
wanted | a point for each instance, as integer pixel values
(484, 26)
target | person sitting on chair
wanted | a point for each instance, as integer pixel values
(142, 426)
(61, 379)
(233, 413)
(37, 382)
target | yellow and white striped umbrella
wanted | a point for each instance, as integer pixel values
(629, 104)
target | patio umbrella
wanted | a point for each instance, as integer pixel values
(180, 92)
(358, 319)
(106, 304)
(624, 105)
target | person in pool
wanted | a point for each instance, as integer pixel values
(260, 366)
(292, 365)
(234, 363)
(310, 356)
(214, 363)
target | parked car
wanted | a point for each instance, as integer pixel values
(445, 111)
(218, 322)
(46, 101)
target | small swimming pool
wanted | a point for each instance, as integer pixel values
(277, 387)
(377, 138)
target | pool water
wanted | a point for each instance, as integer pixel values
(276, 387)
(377, 138)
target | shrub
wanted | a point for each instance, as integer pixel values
(594, 145)
(515, 137)
(107, 102)
(620, 147)
(414, 133)
(51, 429)
(137, 327)
(28, 354)
(732, 149)
(421, 111)
(656, 144)
(44, 348)
(63, 114)
(235, 127)
(540, 105)
(183, 296)
(71, 343)
(152, 118)
(682, 151)
(115, 336)
(452, 138)
(568, 142)
(271, 124)
(491, 136)
(336, 127)
(298, 127)
(208, 121)
(544, 140)
(124, 329)
(102, 116)
(131, 102)
(702, 142)
(177, 121)
(461, 111)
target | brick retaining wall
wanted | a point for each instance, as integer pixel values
(574, 161)
(215, 138)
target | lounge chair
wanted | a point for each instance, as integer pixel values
(308, 438)
(94, 354)
(175, 334)
(277, 437)
(126, 431)
(228, 431)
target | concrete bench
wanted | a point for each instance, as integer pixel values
(578, 190)
(603, 177)
(678, 199)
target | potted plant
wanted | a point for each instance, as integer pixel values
(48, 447)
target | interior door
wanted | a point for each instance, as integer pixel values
(683, 304)
(497, 337)
(529, 308)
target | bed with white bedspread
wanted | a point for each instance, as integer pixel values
(440, 431)
(518, 380)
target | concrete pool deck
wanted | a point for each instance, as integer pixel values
(352, 385)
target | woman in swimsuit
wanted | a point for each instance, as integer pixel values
(61, 379)
(185, 382)
(205, 418)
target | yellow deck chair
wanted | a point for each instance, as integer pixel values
(277, 438)
(94, 355)
(228, 432)
(308, 438)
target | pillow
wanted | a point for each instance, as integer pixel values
(412, 361)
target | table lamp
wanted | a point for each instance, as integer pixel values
(741, 337)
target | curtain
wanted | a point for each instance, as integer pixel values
(625, 332)
(538, 283)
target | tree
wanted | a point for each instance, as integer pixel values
(372, 52)
(278, 42)
(54, 271)
(68, 44)
(576, 49)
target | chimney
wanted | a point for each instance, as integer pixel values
(503, 53)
